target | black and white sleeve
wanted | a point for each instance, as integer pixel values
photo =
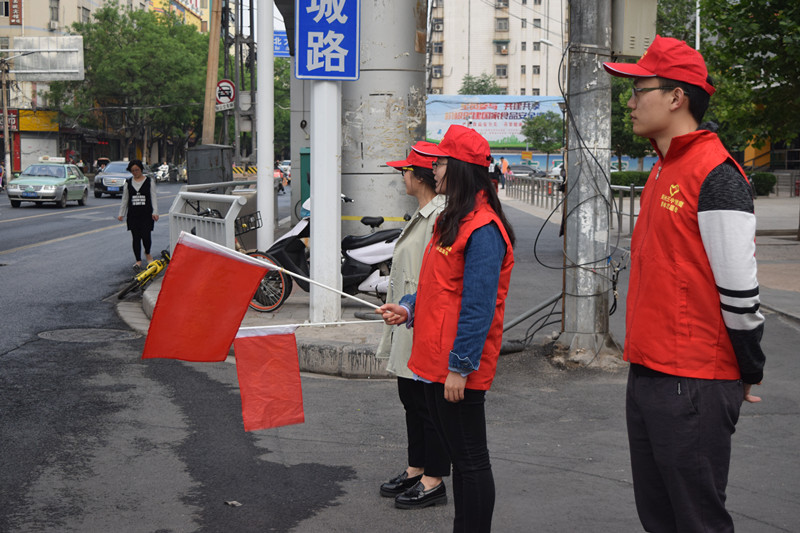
(727, 224)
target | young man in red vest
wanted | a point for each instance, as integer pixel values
(693, 328)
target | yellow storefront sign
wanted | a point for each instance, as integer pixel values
(30, 120)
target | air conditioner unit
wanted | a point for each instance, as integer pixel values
(438, 27)
(436, 74)
(53, 25)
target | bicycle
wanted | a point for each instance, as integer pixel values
(140, 280)
(275, 286)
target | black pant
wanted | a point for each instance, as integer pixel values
(679, 431)
(425, 447)
(462, 426)
(140, 238)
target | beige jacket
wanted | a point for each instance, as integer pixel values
(406, 262)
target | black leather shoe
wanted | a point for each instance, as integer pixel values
(398, 485)
(417, 497)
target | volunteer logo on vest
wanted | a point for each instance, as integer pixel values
(443, 250)
(670, 202)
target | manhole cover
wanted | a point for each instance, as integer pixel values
(89, 335)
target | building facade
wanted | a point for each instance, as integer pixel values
(34, 128)
(519, 42)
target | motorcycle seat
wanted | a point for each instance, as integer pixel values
(351, 242)
(372, 222)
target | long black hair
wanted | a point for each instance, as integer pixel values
(463, 182)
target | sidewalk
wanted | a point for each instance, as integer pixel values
(348, 350)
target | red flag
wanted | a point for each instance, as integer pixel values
(269, 377)
(203, 299)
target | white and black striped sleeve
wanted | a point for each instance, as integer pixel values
(727, 224)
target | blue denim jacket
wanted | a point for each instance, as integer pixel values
(483, 257)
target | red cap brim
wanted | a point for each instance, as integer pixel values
(627, 70)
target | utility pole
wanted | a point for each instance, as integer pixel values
(209, 110)
(586, 239)
(6, 140)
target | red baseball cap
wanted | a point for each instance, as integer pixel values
(415, 158)
(666, 58)
(461, 143)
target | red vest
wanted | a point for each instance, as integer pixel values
(673, 321)
(441, 283)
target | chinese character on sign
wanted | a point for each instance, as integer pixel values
(326, 52)
(15, 12)
(327, 39)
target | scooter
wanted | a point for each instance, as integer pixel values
(162, 173)
(366, 261)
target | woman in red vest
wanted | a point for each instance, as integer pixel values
(457, 316)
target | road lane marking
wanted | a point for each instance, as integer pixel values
(78, 210)
(52, 241)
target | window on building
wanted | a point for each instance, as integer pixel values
(537, 23)
(54, 10)
(535, 2)
(534, 92)
(537, 46)
(503, 91)
(437, 3)
(436, 71)
(501, 24)
(522, 92)
(524, 23)
(5, 42)
(522, 69)
(438, 47)
(535, 69)
(85, 15)
(523, 46)
(501, 71)
(524, 2)
(501, 48)
(501, 4)
(437, 24)
(4, 10)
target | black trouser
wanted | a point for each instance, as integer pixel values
(425, 447)
(140, 238)
(679, 431)
(462, 426)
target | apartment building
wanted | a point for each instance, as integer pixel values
(520, 42)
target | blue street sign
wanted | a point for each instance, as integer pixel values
(280, 44)
(327, 39)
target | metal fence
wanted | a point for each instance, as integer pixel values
(199, 213)
(541, 192)
(622, 208)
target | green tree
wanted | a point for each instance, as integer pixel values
(282, 107)
(483, 84)
(143, 69)
(544, 133)
(754, 55)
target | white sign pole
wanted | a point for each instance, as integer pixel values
(326, 206)
(265, 128)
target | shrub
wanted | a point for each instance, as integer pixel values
(763, 182)
(626, 177)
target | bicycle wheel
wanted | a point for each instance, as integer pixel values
(273, 289)
(131, 286)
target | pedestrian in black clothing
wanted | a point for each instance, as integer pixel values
(139, 204)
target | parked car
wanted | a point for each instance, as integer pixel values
(555, 172)
(286, 167)
(111, 180)
(50, 180)
(526, 171)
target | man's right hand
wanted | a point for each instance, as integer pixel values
(750, 397)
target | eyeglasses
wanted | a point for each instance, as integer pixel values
(638, 90)
(438, 164)
(405, 169)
